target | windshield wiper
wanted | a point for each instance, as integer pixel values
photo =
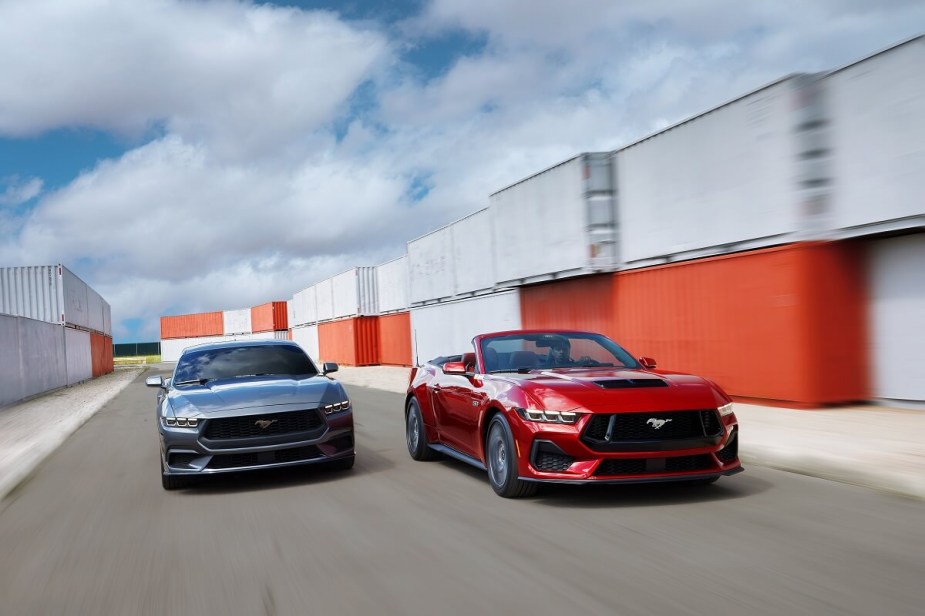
(201, 381)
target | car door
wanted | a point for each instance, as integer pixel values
(461, 400)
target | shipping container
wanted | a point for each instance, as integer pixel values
(237, 321)
(877, 109)
(584, 303)
(324, 300)
(448, 328)
(78, 355)
(473, 247)
(303, 307)
(430, 266)
(307, 337)
(171, 348)
(395, 339)
(393, 281)
(559, 222)
(192, 325)
(733, 178)
(354, 293)
(785, 324)
(897, 289)
(269, 317)
(53, 294)
(352, 342)
(101, 354)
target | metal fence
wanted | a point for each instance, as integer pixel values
(136, 349)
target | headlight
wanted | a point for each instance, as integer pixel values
(563, 417)
(726, 409)
(181, 422)
(337, 406)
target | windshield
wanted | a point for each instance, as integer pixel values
(523, 352)
(231, 362)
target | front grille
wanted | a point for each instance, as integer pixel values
(641, 466)
(730, 452)
(642, 426)
(239, 460)
(248, 426)
(546, 461)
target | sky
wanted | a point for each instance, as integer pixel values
(196, 155)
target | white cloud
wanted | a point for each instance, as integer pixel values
(19, 191)
(245, 195)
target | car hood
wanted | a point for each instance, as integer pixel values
(622, 390)
(233, 394)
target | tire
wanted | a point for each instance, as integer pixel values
(172, 482)
(344, 464)
(501, 461)
(415, 435)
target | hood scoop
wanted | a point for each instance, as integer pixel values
(630, 383)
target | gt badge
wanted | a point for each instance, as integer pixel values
(657, 423)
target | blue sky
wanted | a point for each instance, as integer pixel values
(184, 156)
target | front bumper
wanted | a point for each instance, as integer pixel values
(187, 451)
(558, 454)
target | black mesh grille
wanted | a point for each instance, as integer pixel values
(631, 466)
(711, 423)
(546, 461)
(730, 452)
(630, 383)
(250, 426)
(642, 426)
(681, 464)
(641, 466)
(239, 460)
(182, 459)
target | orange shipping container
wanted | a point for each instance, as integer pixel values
(786, 324)
(269, 317)
(395, 339)
(192, 325)
(100, 354)
(352, 342)
(574, 303)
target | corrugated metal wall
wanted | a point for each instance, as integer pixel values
(392, 282)
(101, 354)
(395, 339)
(324, 300)
(783, 324)
(575, 303)
(303, 307)
(237, 321)
(79, 358)
(354, 293)
(352, 342)
(192, 325)
(306, 336)
(32, 292)
(272, 316)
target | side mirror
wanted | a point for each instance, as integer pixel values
(648, 363)
(155, 381)
(328, 367)
(454, 367)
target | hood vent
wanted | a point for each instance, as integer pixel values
(630, 383)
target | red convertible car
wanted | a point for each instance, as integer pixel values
(534, 406)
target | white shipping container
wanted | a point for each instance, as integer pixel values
(560, 221)
(354, 293)
(392, 282)
(430, 266)
(52, 293)
(448, 328)
(307, 338)
(171, 348)
(897, 305)
(324, 298)
(472, 248)
(722, 178)
(237, 321)
(303, 307)
(78, 357)
(877, 109)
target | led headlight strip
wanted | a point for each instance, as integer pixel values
(562, 417)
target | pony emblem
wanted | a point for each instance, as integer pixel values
(263, 424)
(657, 423)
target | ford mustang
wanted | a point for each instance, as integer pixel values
(236, 406)
(559, 406)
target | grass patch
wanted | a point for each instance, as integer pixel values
(137, 360)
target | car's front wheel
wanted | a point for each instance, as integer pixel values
(415, 436)
(501, 460)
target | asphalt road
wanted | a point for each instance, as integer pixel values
(92, 532)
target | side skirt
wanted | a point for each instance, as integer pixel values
(455, 454)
